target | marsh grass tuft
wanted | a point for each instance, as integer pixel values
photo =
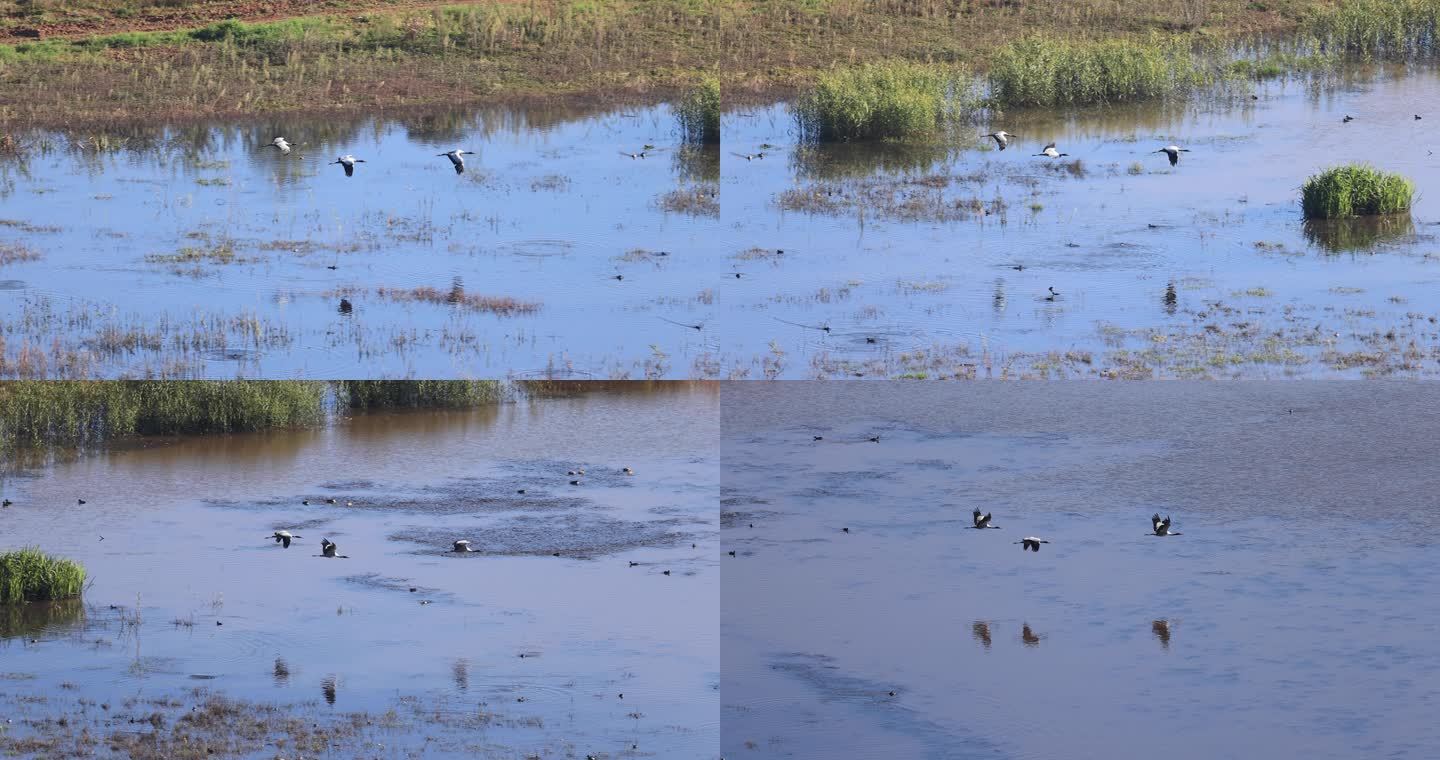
(1355, 190)
(699, 113)
(29, 575)
(889, 100)
(1368, 29)
(421, 394)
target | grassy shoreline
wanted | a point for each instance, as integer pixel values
(414, 56)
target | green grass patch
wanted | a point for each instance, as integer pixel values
(882, 101)
(29, 575)
(79, 414)
(1355, 190)
(1050, 71)
(699, 113)
(1392, 29)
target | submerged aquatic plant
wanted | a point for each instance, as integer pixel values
(699, 113)
(30, 575)
(1355, 190)
(883, 101)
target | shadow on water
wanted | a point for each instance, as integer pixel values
(40, 619)
(1362, 234)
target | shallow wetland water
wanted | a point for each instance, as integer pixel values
(199, 251)
(404, 649)
(1283, 621)
(908, 252)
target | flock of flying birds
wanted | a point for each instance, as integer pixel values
(1158, 527)
(329, 550)
(1003, 138)
(456, 156)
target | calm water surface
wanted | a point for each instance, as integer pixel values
(199, 251)
(1203, 269)
(184, 525)
(1283, 622)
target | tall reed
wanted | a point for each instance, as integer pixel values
(699, 113)
(421, 394)
(29, 575)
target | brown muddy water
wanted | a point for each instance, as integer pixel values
(1289, 618)
(199, 251)
(404, 649)
(907, 252)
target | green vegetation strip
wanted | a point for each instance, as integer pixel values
(29, 575)
(90, 413)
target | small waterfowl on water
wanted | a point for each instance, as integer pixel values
(664, 572)
(283, 537)
(844, 530)
(1161, 527)
(1028, 636)
(1173, 152)
(627, 471)
(329, 501)
(1054, 294)
(6, 503)
(875, 438)
(628, 154)
(1161, 629)
(574, 482)
(982, 521)
(1050, 152)
(1348, 118)
(634, 563)
(980, 629)
(817, 437)
(328, 550)
(79, 501)
(520, 490)
(457, 157)
(732, 552)
(463, 545)
(1032, 543)
(345, 308)
(1002, 138)
(749, 156)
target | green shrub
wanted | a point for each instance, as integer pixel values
(881, 101)
(29, 575)
(1355, 190)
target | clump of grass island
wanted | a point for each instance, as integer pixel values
(1342, 192)
(699, 113)
(880, 101)
(30, 575)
